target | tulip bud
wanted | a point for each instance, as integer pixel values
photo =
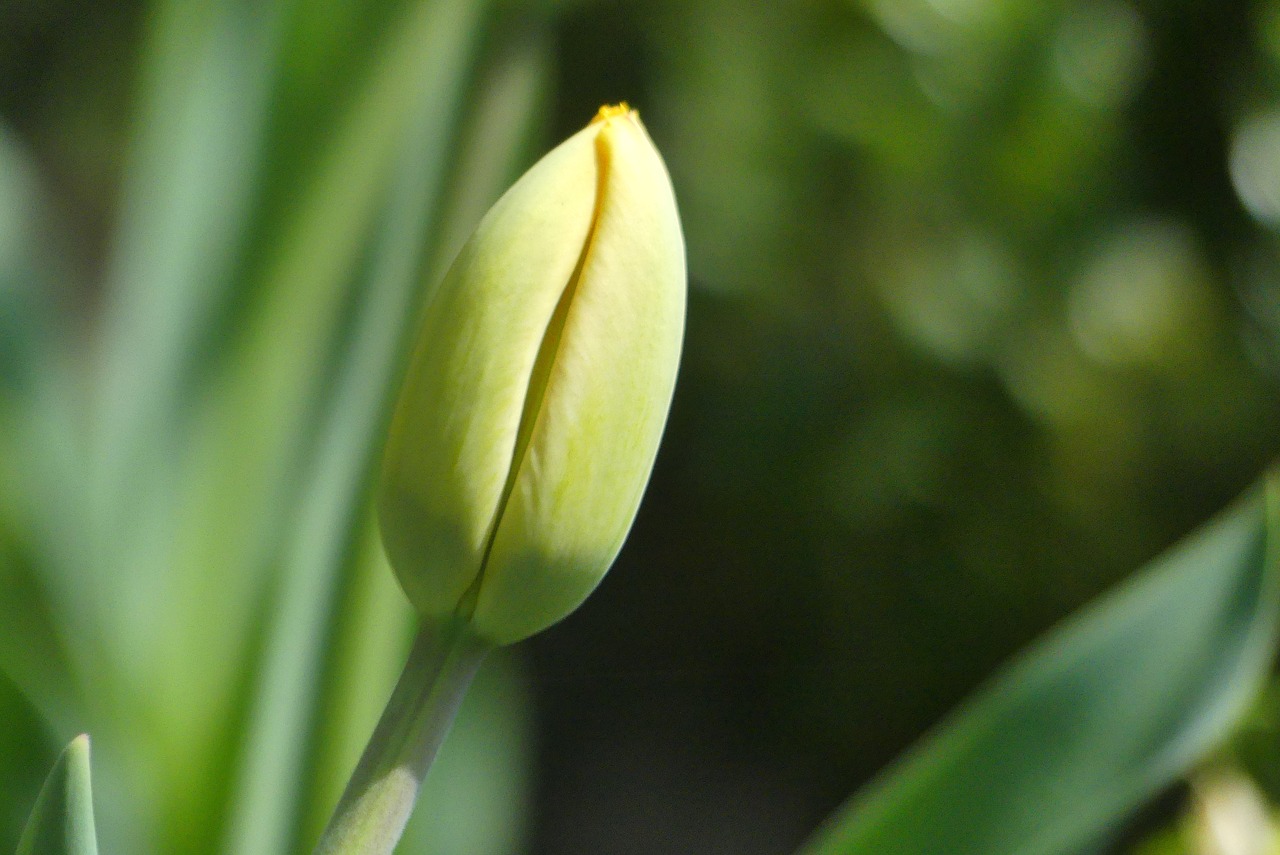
(538, 389)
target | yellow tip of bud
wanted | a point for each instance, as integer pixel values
(613, 111)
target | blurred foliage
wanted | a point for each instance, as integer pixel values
(983, 315)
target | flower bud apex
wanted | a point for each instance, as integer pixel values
(538, 389)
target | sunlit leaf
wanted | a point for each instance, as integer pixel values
(35, 386)
(1094, 718)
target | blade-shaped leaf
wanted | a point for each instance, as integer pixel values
(370, 622)
(62, 821)
(1094, 718)
(34, 386)
(420, 79)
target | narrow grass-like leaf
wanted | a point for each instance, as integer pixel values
(497, 133)
(24, 751)
(411, 106)
(371, 623)
(240, 389)
(62, 821)
(189, 185)
(1094, 718)
(32, 378)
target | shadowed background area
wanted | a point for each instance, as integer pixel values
(983, 315)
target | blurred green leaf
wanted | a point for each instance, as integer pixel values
(371, 624)
(34, 386)
(23, 313)
(62, 821)
(280, 205)
(25, 749)
(1096, 717)
(367, 240)
(206, 76)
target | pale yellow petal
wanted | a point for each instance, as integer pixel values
(592, 447)
(454, 429)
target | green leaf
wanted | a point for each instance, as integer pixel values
(371, 622)
(24, 751)
(416, 91)
(1094, 718)
(62, 821)
(34, 386)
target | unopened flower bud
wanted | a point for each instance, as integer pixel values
(536, 395)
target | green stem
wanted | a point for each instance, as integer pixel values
(379, 798)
